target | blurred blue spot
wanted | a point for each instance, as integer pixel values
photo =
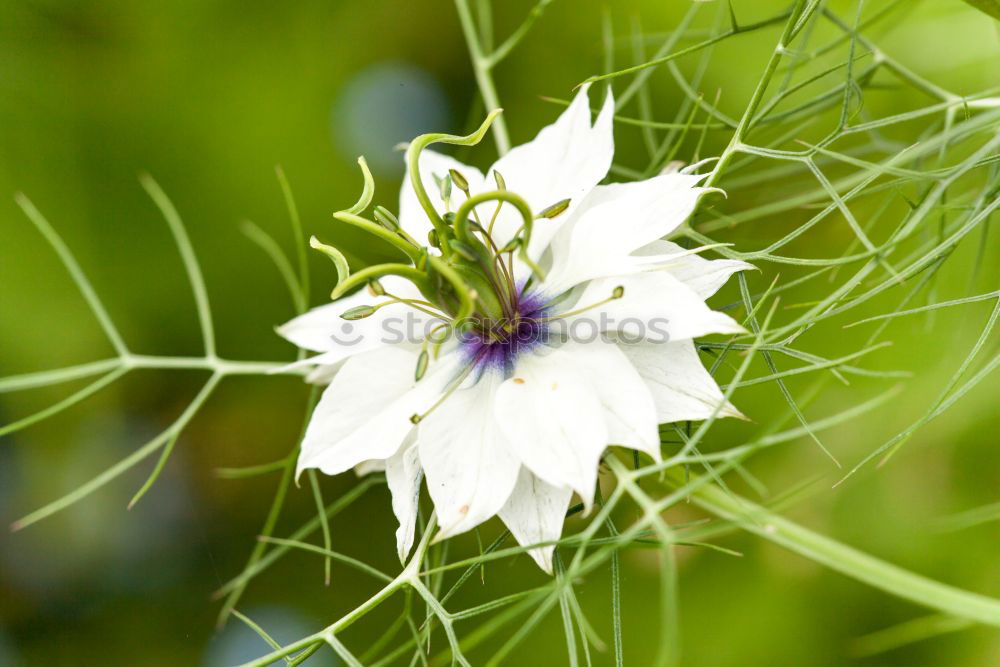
(238, 644)
(77, 547)
(383, 105)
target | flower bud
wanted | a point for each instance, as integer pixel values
(555, 209)
(432, 239)
(375, 288)
(618, 292)
(358, 312)
(501, 184)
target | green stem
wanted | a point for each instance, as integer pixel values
(408, 577)
(191, 266)
(75, 272)
(758, 95)
(842, 558)
(221, 366)
(57, 376)
(300, 239)
(690, 49)
(273, 514)
(67, 402)
(307, 529)
(482, 66)
(123, 465)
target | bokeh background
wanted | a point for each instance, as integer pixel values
(209, 96)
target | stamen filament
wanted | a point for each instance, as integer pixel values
(418, 304)
(616, 294)
(455, 384)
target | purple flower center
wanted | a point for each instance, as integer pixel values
(496, 344)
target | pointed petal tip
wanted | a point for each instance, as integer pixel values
(299, 469)
(544, 561)
(403, 551)
(731, 410)
(282, 330)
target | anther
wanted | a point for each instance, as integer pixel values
(422, 361)
(511, 245)
(358, 312)
(459, 180)
(444, 187)
(556, 209)
(455, 384)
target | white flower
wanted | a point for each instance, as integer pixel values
(512, 417)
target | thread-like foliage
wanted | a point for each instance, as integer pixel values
(805, 154)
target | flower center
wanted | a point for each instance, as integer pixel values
(494, 344)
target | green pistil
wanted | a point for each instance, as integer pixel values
(471, 284)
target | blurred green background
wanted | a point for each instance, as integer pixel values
(208, 97)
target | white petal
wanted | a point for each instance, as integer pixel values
(403, 474)
(655, 307)
(412, 217)
(321, 374)
(554, 420)
(365, 412)
(470, 469)
(368, 467)
(629, 411)
(681, 387)
(564, 161)
(615, 220)
(704, 276)
(535, 513)
(312, 330)
(323, 330)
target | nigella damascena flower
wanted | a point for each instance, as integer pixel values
(546, 321)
